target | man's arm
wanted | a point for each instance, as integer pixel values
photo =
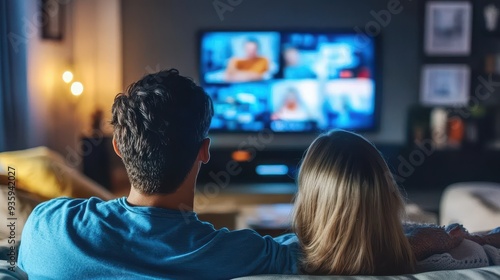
(253, 254)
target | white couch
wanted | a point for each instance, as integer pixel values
(476, 205)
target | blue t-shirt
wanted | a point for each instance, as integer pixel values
(65, 238)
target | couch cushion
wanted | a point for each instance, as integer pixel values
(9, 271)
(8, 274)
(25, 203)
(44, 172)
(469, 203)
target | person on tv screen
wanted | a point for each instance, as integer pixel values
(294, 68)
(250, 68)
(292, 107)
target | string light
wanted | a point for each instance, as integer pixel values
(76, 88)
(67, 76)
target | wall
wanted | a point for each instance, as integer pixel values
(97, 52)
(91, 48)
(160, 34)
(50, 116)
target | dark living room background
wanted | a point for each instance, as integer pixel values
(107, 44)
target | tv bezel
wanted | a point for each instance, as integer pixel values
(377, 65)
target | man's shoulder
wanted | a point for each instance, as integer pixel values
(56, 203)
(58, 216)
(60, 205)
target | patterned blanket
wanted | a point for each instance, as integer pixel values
(452, 247)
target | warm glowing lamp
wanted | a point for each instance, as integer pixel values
(67, 76)
(76, 88)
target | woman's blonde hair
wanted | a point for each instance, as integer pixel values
(348, 210)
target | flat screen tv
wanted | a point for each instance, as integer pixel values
(289, 81)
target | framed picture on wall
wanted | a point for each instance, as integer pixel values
(448, 27)
(52, 19)
(445, 85)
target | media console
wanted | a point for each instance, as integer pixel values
(274, 171)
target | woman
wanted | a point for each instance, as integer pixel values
(354, 225)
(348, 213)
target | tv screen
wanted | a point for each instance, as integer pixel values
(289, 81)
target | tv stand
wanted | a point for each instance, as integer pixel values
(436, 171)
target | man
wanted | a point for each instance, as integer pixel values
(160, 132)
(250, 68)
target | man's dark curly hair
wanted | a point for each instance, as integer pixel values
(159, 125)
